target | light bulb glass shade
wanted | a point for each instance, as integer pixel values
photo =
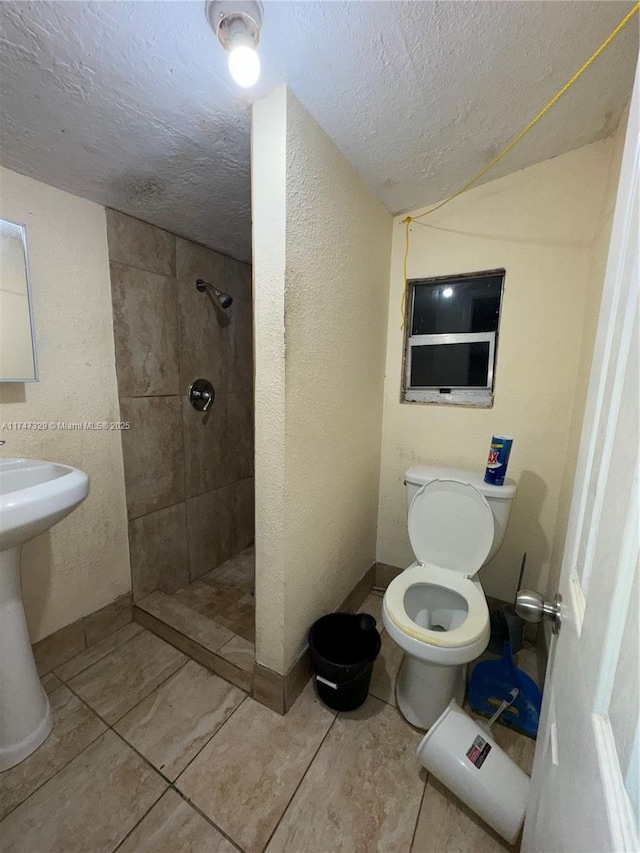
(244, 66)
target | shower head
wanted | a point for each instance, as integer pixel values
(224, 299)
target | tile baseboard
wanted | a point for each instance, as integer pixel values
(385, 573)
(297, 677)
(279, 692)
(353, 600)
(268, 688)
(67, 642)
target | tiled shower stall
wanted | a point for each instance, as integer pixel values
(188, 474)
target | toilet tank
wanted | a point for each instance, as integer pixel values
(499, 498)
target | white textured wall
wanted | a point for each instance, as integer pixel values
(268, 187)
(599, 252)
(83, 562)
(538, 224)
(321, 260)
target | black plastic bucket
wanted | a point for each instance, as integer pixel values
(343, 649)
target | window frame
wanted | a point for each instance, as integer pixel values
(461, 395)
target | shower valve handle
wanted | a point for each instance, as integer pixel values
(201, 394)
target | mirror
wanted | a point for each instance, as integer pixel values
(17, 333)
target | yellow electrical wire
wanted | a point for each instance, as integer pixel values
(407, 223)
(409, 219)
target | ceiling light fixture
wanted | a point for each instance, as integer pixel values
(237, 25)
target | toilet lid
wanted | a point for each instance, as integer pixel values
(451, 526)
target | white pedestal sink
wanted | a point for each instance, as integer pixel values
(34, 496)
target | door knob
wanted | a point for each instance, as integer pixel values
(532, 607)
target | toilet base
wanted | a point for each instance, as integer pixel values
(424, 690)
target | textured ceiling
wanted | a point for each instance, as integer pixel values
(130, 103)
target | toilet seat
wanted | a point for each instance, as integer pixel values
(451, 526)
(473, 627)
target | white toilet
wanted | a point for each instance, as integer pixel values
(436, 610)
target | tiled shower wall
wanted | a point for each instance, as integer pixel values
(188, 474)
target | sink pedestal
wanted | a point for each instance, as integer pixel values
(25, 715)
(34, 495)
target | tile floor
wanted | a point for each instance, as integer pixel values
(153, 753)
(211, 619)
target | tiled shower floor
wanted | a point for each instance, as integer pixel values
(212, 620)
(153, 753)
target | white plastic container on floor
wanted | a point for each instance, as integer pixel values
(466, 759)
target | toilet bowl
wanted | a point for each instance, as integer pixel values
(436, 609)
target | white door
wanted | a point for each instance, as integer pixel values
(585, 788)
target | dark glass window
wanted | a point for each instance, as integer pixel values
(454, 306)
(452, 338)
(450, 365)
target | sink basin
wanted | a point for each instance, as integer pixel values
(34, 496)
